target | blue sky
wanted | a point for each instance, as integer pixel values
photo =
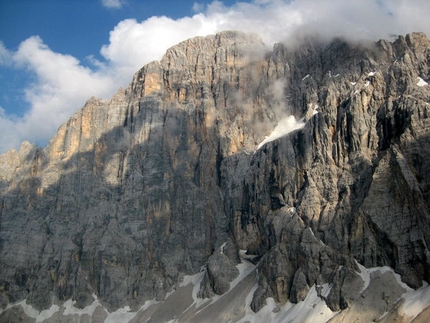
(75, 27)
(56, 54)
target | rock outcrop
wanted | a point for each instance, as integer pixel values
(165, 178)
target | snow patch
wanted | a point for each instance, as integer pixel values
(293, 211)
(367, 84)
(196, 280)
(365, 276)
(221, 249)
(312, 232)
(289, 124)
(353, 83)
(421, 82)
(325, 289)
(70, 309)
(43, 315)
(416, 301)
(312, 309)
(245, 268)
(31, 312)
(305, 77)
(244, 256)
(372, 73)
(121, 315)
(315, 111)
(284, 127)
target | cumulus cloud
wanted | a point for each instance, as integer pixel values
(8, 133)
(5, 56)
(113, 4)
(63, 84)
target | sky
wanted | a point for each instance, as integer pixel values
(56, 54)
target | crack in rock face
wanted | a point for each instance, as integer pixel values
(175, 177)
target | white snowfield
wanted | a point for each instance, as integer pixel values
(284, 127)
(183, 305)
(415, 301)
(421, 82)
(287, 125)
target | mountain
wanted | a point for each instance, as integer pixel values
(229, 183)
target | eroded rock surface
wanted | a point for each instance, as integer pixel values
(135, 192)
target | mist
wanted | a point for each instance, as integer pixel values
(52, 100)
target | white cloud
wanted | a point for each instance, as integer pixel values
(113, 4)
(5, 56)
(63, 84)
(198, 7)
(9, 136)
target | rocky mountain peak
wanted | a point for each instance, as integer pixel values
(283, 177)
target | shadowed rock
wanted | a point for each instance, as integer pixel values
(134, 192)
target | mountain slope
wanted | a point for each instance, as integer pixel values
(174, 175)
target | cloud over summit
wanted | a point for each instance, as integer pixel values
(62, 83)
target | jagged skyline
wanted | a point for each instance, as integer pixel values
(45, 82)
(145, 206)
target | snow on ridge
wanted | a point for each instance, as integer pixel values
(421, 82)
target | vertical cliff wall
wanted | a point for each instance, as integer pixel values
(133, 193)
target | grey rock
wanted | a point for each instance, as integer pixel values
(220, 271)
(135, 192)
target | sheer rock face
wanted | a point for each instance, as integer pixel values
(133, 193)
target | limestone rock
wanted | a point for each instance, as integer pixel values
(220, 271)
(135, 192)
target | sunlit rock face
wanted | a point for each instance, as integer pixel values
(312, 158)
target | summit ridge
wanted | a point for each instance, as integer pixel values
(173, 180)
